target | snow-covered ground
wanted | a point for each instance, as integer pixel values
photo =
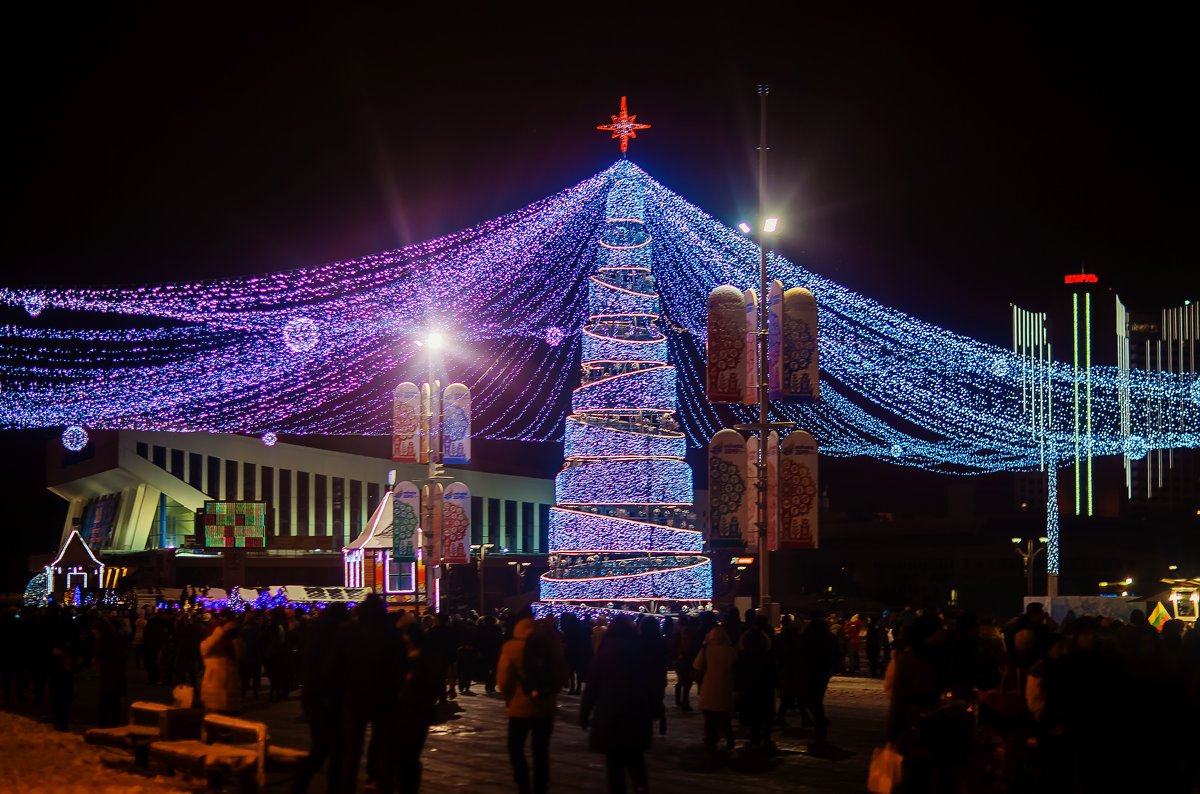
(37, 758)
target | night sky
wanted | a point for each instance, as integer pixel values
(944, 161)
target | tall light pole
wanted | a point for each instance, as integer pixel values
(482, 547)
(1028, 554)
(521, 566)
(433, 342)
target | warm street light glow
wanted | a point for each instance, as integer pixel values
(1129, 580)
(1015, 540)
(1043, 540)
(1172, 567)
(770, 224)
(745, 227)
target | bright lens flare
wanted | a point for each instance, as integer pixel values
(435, 341)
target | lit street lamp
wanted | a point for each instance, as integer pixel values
(1028, 554)
(521, 566)
(482, 547)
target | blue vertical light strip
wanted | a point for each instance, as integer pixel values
(162, 520)
(1052, 517)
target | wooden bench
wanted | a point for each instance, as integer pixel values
(148, 723)
(227, 746)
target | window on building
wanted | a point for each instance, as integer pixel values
(268, 496)
(159, 456)
(493, 522)
(143, 450)
(302, 503)
(177, 464)
(231, 480)
(339, 513)
(249, 478)
(400, 576)
(320, 504)
(476, 519)
(356, 517)
(528, 528)
(543, 527)
(214, 478)
(285, 501)
(372, 498)
(196, 471)
(512, 530)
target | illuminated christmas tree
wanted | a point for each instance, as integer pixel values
(623, 529)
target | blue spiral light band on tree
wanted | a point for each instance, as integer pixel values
(623, 529)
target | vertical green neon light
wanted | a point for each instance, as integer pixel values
(1075, 348)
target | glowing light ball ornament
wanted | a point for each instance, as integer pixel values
(301, 334)
(897, 450)
(34, 303)
(269, 438)
(74, 438)
(554, 336)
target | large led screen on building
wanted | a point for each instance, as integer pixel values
(235, 524)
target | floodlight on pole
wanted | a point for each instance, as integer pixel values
(435, 340)
(770, 225)
(745, 227)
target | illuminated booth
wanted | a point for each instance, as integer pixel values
(74, 567)
(368, 562)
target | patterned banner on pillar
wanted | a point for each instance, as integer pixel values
(773, 491)
(406, 511)
(456, 524)
(431, 521)
(425, 428)
(726, 346)
(798, 491)
(752, 349)
(774, 335)
(799, 371)
(729, 495)
(456, 424)
(406, 423)
(750, 528)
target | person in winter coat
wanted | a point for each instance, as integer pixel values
(820, 657)
(756, 678)
(714, 670)
(221, 684)
(531, 703)
(853, 630)
(619, 703)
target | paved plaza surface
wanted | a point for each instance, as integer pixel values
(466, 749)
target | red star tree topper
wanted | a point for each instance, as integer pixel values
(624, 127)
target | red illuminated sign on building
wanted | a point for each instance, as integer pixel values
(1081, 278)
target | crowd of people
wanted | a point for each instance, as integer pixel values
(1037, 705)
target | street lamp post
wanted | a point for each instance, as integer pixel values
(482, 547)
(763, 427)
(1028, 554)
(433, 342)
(521, 566)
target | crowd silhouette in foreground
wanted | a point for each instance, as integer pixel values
(1026, 705)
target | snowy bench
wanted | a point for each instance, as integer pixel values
(148, 722)
(227, 746)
